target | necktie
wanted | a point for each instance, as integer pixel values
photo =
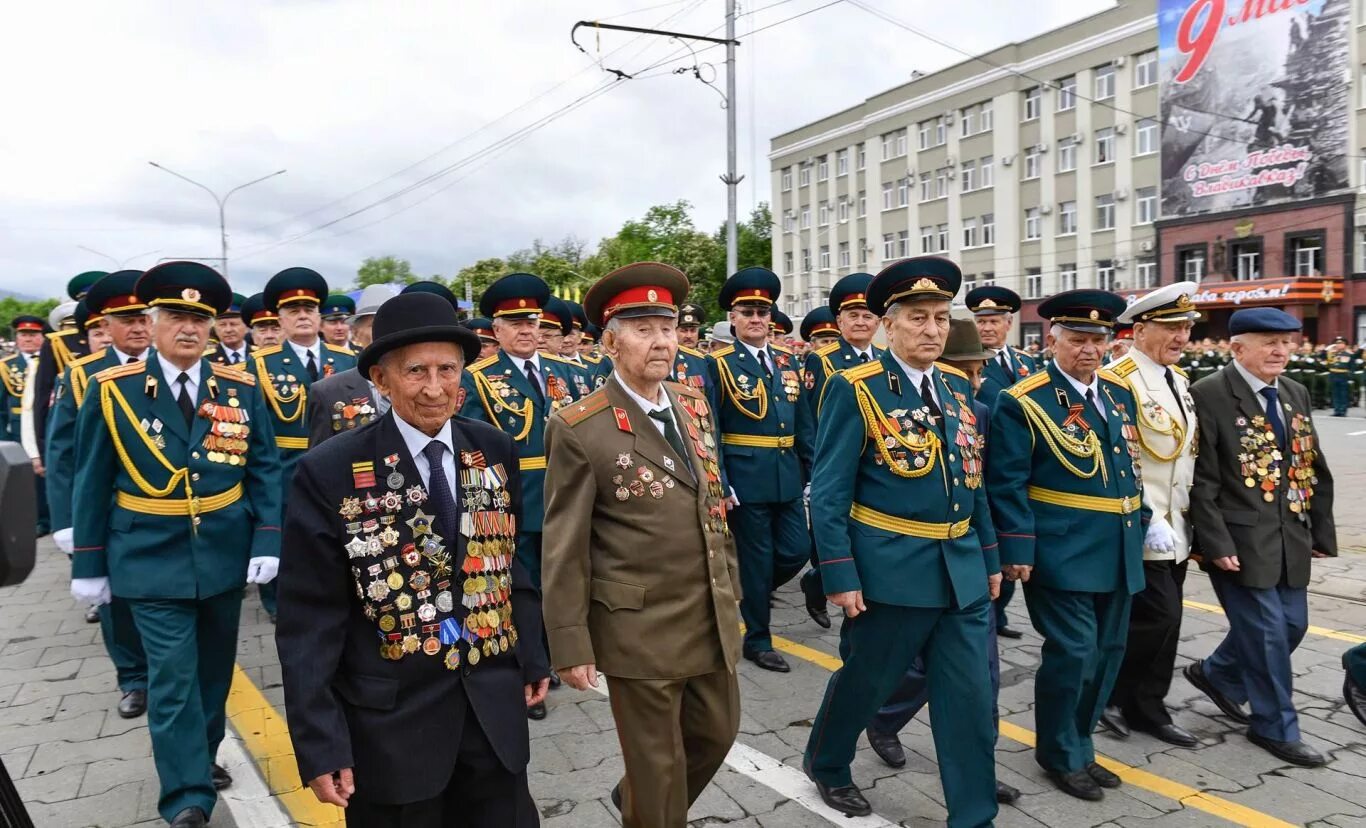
(135, 359)
(234, 358)
(1171, 383)
(534, 377)
(183, 400)
(863, 357)
(312, 367)
(763, 363)
(1273, 413)
(664, 418)
(1001, 358)
(447, 512)
(927, 395)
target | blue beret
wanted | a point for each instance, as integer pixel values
(1258, 320)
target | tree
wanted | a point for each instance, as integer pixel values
(12, 306)
(480, 275)
(384, 270)
(664, 234)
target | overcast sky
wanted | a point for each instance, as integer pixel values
(359, 100)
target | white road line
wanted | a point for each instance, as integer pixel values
(785, 780)
(1355, 433)
(249, 799)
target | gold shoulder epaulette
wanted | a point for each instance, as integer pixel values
(584, 408)
(685, 349)
(1028, 384)
(1124, 366)
(126, 370)
(590, 359)
(557, 358)
(828, 349)
(684, 390)
(339, 349)
(232, 372)
(1182, 371)
(863, 371)
(726, 351)
(269, 350)
(1108, 374)
(210, 351)
(483, 363)
(781, 349)
(56, 335)
(951, 371)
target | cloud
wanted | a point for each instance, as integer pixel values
(346, 94)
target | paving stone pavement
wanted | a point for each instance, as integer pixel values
(77, 764)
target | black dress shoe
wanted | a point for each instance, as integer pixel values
(1355, 696)
(536, 712)
(1009, 632)
(1078, 784)
(1296, 752)
(133, 704)
(1112, 719)
(847, 799)
(814, 593)
(554, 681)
(819, 615)
(1005, 794)
(616, 796)
(1103, 777)
(221, 778)
(1195, 674)
(888, 748)
(190, 818)
(769, 660)
(1171, 734)
(92, 615)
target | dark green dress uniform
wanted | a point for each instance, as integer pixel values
(283, 377)
(900, 511)
(766, 434)
(499, 391)
(171, 509)
(217, 352)
(690, 369)
(57, 352)
(1066, 500)
(819, 322)
(13, 377)
(1342, 364)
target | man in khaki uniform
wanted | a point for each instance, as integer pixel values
(638, 560)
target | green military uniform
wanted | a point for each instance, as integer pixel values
(1066, 500)
(13, 375)
(177, 497)
(284, 375)
(1343, 364)
(900, 512)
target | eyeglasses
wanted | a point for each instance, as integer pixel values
(752, 312)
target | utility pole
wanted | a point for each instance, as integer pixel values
(731, 179)
(222, 205)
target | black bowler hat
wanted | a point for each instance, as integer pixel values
(294, 284)
(188, 287)
(850, 292)
(1086, 310)
(911, 280)
(435, 288)
(992, 300)
(410, 318)
(820, 321)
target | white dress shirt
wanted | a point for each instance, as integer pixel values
(1082, 388)
(172, 375)
(302, 352)
(240, 352)
(1255, 384)
(417, 442)
(917, 377)
(754, 352)
(124, 358)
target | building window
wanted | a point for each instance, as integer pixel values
(842, 162)
(787, 261)
(842, 210)
(862, 203)
(844, 254)
(969, 281)
(986, 119)
(894, 144)
(969, 175)
(941, 182)
(1146, 273)
(787, 179)
(903, 191)
(969, 232)
(988, 229)
(988, 279)
(1067, 277)
(1105, 145)
(822, 168)
(1145, 69)
(1246, 255)
(1033, 226)
(862, 156)
(1031, 163)
(888, 246)
(1067, 155)
(986, 172)
(863, 251)
(1067, 93)
(1033, 103)
(888, 195)
(903, 243)
(1147, 205)
(823, 213)
(967, 121)
(789, 222)
(926, 131)
(1190, 262)
(825, 257)
(1145, 137)
(1067, 218)
(1304, 254)
(806, 260)
(1033, 283)
(927, 239)
(803, 174)
(942, 233)
(806, 217)
(926, 187)
(1105, 274)
(1105, 81)
(1105, 212)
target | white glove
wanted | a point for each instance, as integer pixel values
(90, 592)
(262, 570)
(1161, 537)
(806, 493)
(62, 537)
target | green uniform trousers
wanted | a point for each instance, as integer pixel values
(124, 645)
(191, 647)
(877, 647)
(772, 545)
(1084, 635)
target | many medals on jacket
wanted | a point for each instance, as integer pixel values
(1260, 458)
(407, 579)
(227, 440)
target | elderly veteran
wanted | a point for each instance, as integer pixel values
(639, 557)
(906, 545)
(409, 632)
(1262, 510)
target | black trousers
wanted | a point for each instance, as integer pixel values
(481, 793)
(1150, 657)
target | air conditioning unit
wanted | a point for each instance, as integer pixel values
(948, 118)
(1120, 129)
(951, 161)
(1119, 61)
(1121, 194)
(1007, 160)
(910, 172)
(1120, 264)
(1075, 138)
(949, 173)
(1147, 246)
(1041, 148)
(1045, 209)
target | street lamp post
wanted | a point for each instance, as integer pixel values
(222, 205)
(118, 265)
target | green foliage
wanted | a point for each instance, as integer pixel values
(385, 270)
(11, 307)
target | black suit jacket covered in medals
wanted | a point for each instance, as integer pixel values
(371, 678)
(339, 403)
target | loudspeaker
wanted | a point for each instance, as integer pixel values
(18, 514)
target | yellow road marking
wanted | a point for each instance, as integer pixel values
(266, 737)
(1184, 794)
(1319, 631)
